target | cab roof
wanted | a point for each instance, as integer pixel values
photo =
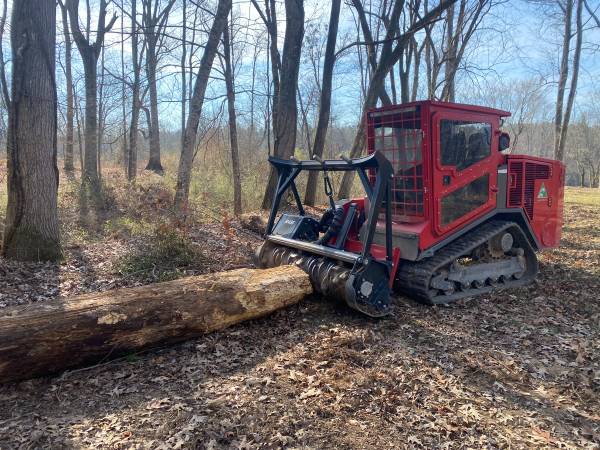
(446, 105)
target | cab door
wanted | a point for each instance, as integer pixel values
(465, 163)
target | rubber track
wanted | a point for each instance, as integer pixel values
(413, 278)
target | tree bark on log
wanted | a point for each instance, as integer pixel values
(47, 338)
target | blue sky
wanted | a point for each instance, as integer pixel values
(518, 41)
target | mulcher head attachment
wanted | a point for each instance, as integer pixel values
(356, 277)
(364, 287)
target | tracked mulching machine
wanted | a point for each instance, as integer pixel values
(446, 213)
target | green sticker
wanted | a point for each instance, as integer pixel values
(543, 193)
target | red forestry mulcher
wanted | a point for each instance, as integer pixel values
(446, 213)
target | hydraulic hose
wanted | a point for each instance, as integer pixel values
(334, 227)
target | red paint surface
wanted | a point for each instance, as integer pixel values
(420, 211)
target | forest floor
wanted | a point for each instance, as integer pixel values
(518, 369)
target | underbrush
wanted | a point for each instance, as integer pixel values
(163, 254)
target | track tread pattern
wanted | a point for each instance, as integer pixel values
(413, 278)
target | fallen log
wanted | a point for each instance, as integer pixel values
(47, 338)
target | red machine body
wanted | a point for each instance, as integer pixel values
(448, 214)
(451, 176)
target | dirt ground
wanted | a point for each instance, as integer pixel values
(515, 369)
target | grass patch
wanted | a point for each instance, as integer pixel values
(162, 256)
(127, 227)
(582, 196)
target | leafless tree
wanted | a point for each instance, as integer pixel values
(325, 98)
(183, 63)
(584, 148)
(124, 146)
(524, 99)
(286, 113)
(269, 18)
(563, 112)
(136, 106)
(392, 47)
(155, 15)
(31, 231)
(370, 43)
(233, 132)
(5, 93)
(69, 134)
(90, 52)
(191, 129)
(101, 111)
(445, 51)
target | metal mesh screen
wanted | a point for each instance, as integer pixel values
(397, 133)
(521, 192)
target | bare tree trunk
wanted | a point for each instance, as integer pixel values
(31, 231)
(90, 159)
(135, 97)
(68, 161)
(305, 127)
(190, 61)
(154, 22)
(154, 163)
(562, 79)
(559, 152)
(79, 134)
(252, 94)
(191, 129)
(430, 57)
(183, 72)
(101, 114)
(404, 70)
(450, 67)
(124, 146)
(393, 86)
(325, 100)
(358, 144)
(285, 125)
(5, 94)
(269, 18)
(89, 54)
(233, 135)
(417, 69)
(370, 44)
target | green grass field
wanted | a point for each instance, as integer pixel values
(582, 196)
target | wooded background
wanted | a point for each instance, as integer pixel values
(208, 89)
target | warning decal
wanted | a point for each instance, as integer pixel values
(543, 193)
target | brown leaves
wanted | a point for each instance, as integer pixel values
(516, 369)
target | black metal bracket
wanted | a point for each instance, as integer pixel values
(379, 194)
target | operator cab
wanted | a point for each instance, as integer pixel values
(445, 158)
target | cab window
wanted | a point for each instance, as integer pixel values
(464, 143)
(465, 199)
